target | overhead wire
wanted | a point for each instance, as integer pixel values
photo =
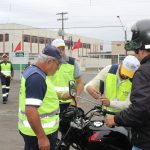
(77, 27)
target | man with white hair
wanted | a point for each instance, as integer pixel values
(38, 117)
(69, 70)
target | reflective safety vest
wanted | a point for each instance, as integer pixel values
(48, 110)
(6, 69)
(115, 90)
(61, 78)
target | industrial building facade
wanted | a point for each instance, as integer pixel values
(33, 40)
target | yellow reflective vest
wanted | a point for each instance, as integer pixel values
(48, 110)
(115, 90)
(6, 69)
(61, 79)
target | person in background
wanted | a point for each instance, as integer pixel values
(69, 70)
(117, 84)
(137, 115)
(6, 74)
(38, 117)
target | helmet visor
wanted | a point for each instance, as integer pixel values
(132, 46)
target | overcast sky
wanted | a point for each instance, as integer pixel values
(81, 13)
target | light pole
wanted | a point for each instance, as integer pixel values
(125, 32)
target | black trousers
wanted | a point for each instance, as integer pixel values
(31, 142)
(5, 82)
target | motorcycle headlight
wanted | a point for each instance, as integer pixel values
(98, 123)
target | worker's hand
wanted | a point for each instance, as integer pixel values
(44, 143)
(73, 103)
(64, 96)
(94, 93)
(77, 98)
(109, 121)
(105, 101)
(11, 78)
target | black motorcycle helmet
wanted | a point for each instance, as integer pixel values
(71, 112)
(140, 37)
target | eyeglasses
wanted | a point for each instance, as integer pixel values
(57, 63)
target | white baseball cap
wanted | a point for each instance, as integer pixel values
(129, 65)
(58, 42)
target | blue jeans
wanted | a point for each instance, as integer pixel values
(136, 148)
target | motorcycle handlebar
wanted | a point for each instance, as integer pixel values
(104, 111)
(99, 110)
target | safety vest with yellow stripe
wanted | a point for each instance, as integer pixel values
(6, 69)
(61, 79)
(48, 110)
(115, 90)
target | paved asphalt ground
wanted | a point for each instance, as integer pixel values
(9, 136)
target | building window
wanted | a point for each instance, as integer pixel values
(1, 37)
(48, 40)
(6, 37)
(34, 39)
(118, 44)
(41, 40)
(84, 45)
(101, 47)
(26, 38)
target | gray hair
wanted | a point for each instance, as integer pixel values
(42, 58)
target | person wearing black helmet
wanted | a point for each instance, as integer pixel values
(137, 116)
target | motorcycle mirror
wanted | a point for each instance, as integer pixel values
(72, 88)
(101, 89)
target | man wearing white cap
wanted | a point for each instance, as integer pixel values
(69, 70)
(116, 87)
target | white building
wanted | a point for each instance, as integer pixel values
(33, 40)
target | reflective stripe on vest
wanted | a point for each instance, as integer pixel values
(61, 79)
(115, 90)
(48, 115)
(44, 125)
(6, 69)
(61, 89)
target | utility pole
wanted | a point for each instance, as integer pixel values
(62, 22)
(125, 32)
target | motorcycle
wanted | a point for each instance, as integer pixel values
(87, 131)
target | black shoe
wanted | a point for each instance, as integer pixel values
(4, 102)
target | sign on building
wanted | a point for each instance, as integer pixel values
(19, 54)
